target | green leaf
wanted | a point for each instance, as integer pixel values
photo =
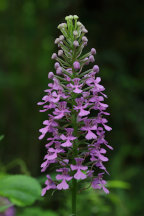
(21, 190)
(118, 184)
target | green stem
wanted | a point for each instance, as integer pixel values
(74, 195)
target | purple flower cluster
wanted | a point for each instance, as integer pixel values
(76, 124)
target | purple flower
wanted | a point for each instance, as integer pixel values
(68, 138)
(97, 153)
(103, 121)
(61, 110)
(81, 107)
(99, 183)
(57, 95)
(95, 83)
(76, 86)
(64, 177)
(78, 167)
(76, 65)
(49, 185)
(89, 126)
(56, 85)
(48, 128)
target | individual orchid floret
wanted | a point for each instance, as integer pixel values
(79, 167)
(89, 127)
(53, 152)
(68, 138)
(64, 177)
(76, 86)
(81, 106)
(95, 84)
(61, 110)
(99, 183)
(49, 185)
(50, 124)
(55, 85)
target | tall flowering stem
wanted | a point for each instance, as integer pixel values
(75, 128)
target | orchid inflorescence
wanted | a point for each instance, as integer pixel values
(75, 104)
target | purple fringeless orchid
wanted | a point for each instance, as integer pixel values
(76, 123)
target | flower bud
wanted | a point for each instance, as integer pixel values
(54, 56)
(60, 52)
(61, 37)
(76, 43)
(75, 33)
(85, 43)
(76, 65)
(62, 25)
(70, 17)
(57, 40)
(84, 39)
(86, 61)
(91, 58)
(75, 17)
(84, 30)
(56, 65)
(93, 51)
(50, 75)
(69, 70)
(79, 24)
(96, 68)
(59, 71)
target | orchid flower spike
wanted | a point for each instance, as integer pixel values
(76, 124)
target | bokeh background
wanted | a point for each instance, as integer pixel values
(116, 29)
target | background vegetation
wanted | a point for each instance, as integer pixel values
(27, 33)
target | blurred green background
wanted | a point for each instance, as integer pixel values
(116, 29)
